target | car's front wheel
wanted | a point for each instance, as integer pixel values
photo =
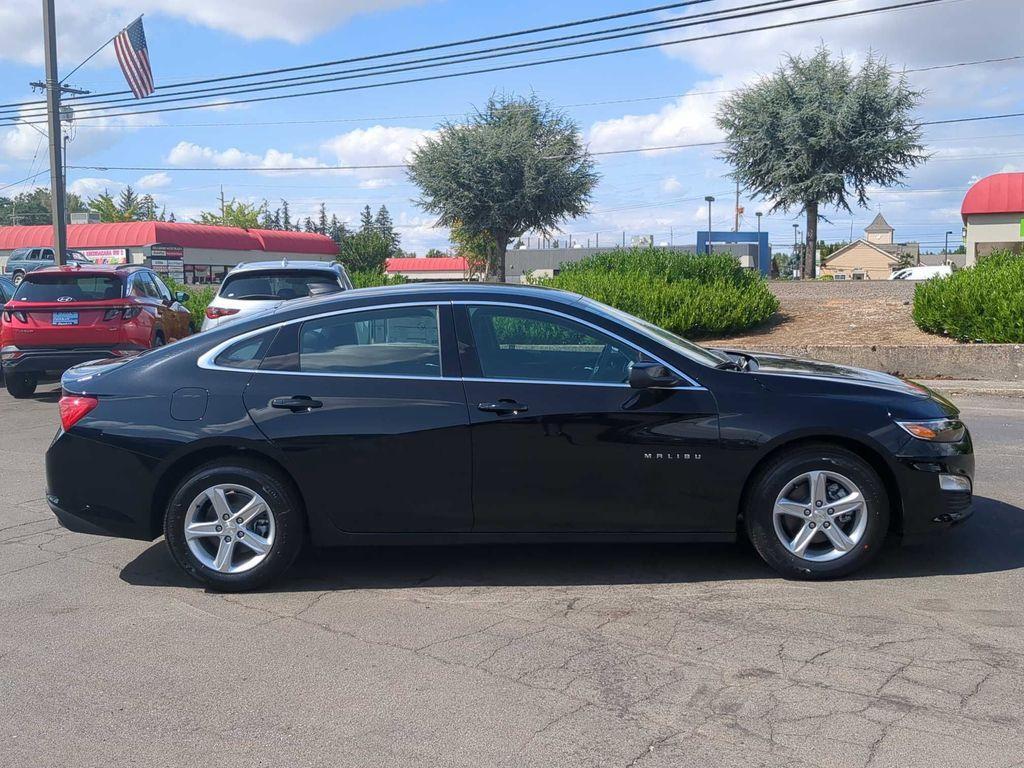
(817, 512)
(234, 526)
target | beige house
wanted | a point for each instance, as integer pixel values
(873, 257)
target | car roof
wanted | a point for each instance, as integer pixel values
(255, 266)
(94, 269)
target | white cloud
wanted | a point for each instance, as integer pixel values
(377, 145)
(685, 121)
(85, 23)
(187, 153)
(154, 180)
(671, 184)
(90, 187)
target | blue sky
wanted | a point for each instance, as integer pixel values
(650, 98)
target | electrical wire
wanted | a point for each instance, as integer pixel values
(522, 65)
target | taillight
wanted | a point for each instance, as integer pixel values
(16, 313)
(128, 313)
(215, 312)
(73, 408)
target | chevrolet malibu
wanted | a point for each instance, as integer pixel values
(474, 413)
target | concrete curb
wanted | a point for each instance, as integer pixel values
(985, 362)
(964, 387)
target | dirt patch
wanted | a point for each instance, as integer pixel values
(839, 314)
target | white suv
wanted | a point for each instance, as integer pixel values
(263, 285)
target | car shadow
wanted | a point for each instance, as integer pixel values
(992, 541)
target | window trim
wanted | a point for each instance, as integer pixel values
(206, 360)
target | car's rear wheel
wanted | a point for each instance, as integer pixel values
(18, 277)
(21, 385)
(234, 526)
(817, 512)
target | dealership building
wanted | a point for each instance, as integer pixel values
(993, 215)
(189, 253)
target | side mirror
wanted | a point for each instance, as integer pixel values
(181, 297)
(648, 375)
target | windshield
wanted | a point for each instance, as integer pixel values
(281, 285)
(672, 341)
(68, 288)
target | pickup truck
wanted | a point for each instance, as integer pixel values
(25, 260)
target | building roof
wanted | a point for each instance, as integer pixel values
(439, 264)
(891, 255)
(879, 224)
(998, 193)
(137, 233)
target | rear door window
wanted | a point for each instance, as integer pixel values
(280, 285)
(69, 288)
(402, 341)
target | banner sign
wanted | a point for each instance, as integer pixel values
(164, 251)
(105, 255)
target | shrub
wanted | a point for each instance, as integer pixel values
(980, 303)
(374, 278)
(199, 298)
(689, 294)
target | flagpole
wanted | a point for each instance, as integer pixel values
(69, 74)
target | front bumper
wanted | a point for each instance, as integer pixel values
(929, 500)
(57, 359)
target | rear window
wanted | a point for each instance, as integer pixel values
(67, 288)
(280, 285)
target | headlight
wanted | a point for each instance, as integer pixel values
(936, 430)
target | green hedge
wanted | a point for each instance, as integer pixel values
(688, 294)
(980, 303)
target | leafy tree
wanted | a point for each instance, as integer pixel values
(516, 165)
(477, 250)
(827, 249)
(235, 214)
(33, 207)
(817, 132)
(365, 251)
(435, 253)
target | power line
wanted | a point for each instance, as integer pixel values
(92, 104)
(381, 166)
(522, 65)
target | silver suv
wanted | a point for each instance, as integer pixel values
(263, 285)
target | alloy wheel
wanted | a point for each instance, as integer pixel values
(820, 516)
(230, 528)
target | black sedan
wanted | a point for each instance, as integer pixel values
(473, 413)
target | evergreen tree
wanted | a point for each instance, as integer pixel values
(366, 223)
(386, 229)
(286, 217)
(322, 222)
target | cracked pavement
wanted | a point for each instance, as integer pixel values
(596, 655)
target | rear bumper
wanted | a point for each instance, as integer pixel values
(58, 360)
(98, 488)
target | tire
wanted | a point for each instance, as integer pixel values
(779, 505)
(21, 385)
(17, 278)
(202, 556)
(158, 340)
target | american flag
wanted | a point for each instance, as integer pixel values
(130, 46)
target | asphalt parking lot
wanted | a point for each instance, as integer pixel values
(513, 656)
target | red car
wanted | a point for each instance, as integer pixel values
(62, 316)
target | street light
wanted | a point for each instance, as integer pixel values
(946, 249)
(709, 199)
(759, 215)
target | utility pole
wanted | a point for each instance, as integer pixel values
(709, 200)
(736, 219)
(54, 89)
(60, 231)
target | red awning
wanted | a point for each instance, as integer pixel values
(999, 193)
(440, 264)
(138, 233)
